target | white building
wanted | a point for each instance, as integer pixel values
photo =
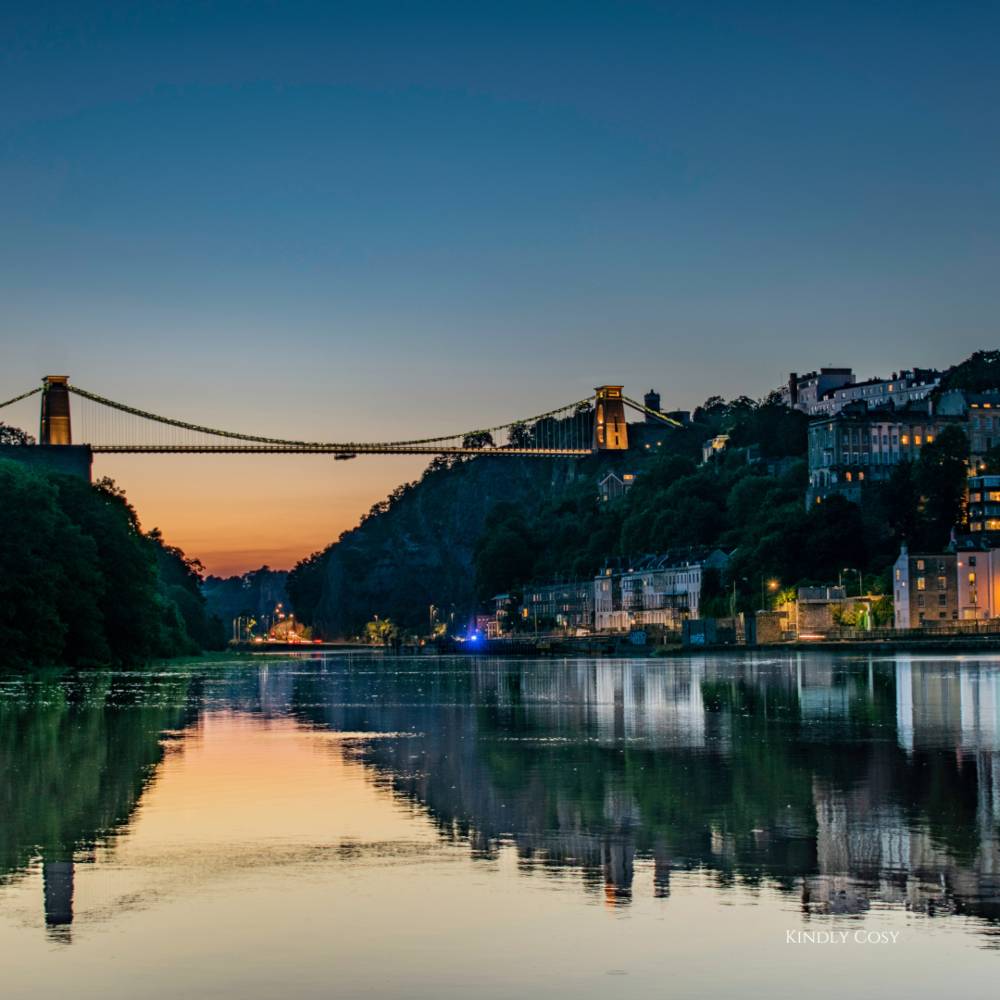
(826, 392)
(660, 590)
(900, 388)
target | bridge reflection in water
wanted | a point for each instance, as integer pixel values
(845, 783)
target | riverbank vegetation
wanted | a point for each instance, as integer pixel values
(82, 585)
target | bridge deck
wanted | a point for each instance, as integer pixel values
(333, 449)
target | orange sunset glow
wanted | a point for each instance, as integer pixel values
(236, 513)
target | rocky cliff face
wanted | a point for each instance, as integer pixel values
(419, 551)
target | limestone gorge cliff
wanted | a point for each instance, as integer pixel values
(416, 548)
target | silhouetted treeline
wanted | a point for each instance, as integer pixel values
(252, 595)
(81, 584)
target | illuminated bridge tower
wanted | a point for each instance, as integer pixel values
(55, 426)
(610, 427)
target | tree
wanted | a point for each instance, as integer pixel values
(14, 435)
(519, 435)
(940, 477)
(978, 373)
(777, 429)
(305, 585)
(478, 439)
(504, 555)
(381, 631)
(80, 584)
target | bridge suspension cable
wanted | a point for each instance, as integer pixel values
(110, 426)
(257, 439)
(659, 414)
(24, 395)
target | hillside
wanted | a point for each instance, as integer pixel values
(423, 546)
(418, 547)
(474, 528)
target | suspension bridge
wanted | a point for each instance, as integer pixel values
(596, 423)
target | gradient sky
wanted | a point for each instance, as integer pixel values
(347, 220)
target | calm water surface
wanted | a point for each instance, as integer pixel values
(334, 826)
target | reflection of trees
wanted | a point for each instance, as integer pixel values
(76, 754)
(791, 775)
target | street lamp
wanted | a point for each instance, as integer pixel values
(772, 586)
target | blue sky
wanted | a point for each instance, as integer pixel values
(373, 217)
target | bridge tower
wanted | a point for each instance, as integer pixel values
(610, 427)
(55, 426)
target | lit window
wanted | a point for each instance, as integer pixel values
(930, 437)
(905, 439)
(921, 583)
(920, 564)
(916, 439)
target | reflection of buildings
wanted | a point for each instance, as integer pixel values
(775, 769)
(943, 703)
(868, 850)
(886, 836)
(625, 700)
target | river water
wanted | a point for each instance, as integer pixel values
(339, 826)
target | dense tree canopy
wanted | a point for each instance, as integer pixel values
(80, 583)
(979, 372)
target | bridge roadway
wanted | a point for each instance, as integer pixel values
(337, 450)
